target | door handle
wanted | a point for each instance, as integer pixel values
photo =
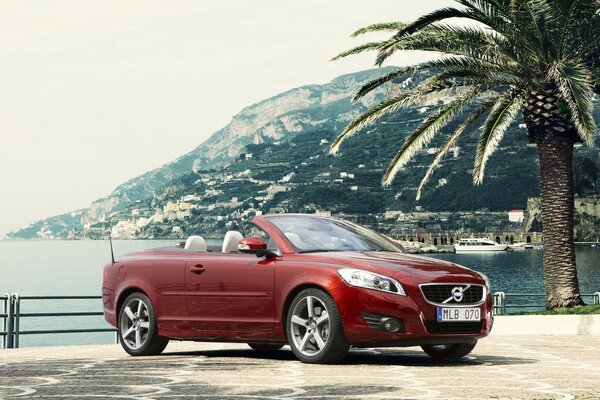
(197, 269)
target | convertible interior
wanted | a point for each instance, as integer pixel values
(230, 243)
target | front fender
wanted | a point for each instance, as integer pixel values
(291, 279)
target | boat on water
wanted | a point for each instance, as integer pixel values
(478, 245)
(518, 246)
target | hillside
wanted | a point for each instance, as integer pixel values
(274, 155)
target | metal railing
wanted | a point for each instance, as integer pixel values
(11, 313)
(501, 305)
(11, 318)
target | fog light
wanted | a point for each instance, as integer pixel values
(390, 324)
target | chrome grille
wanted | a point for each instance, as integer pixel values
(442, 293)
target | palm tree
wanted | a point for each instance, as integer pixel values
(537, 58)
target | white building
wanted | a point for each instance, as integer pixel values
(182, 214)
(323, 213)
(288, 177)
(191, 197)
(124, 230)
(516, 216)
(158, 217)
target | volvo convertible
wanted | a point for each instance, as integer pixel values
(317, 284)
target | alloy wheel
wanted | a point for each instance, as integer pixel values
(310, 326)
(135, 324)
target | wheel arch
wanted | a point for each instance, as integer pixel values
(292, 294)
(124, 294)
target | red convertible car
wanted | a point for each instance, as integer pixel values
(317, 284)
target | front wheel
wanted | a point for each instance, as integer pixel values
(449, 351)
(138, 330)
(314, 328)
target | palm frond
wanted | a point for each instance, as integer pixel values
(451, 142)
(492, 13)
(409, 97)
(569, 11)
(370, 46)
(447, 39)
(385, 26)
(488, 13)
(575, 87)
(431, 18)
(372, 115)
(425, 132)
(452, 67)
(493, 130)
(377, 82)
(429, 84)
(575, 18)
(474, 64)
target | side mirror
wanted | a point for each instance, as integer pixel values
(255, 245)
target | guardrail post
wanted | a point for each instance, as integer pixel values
(17, 313)
(4, 321)
(9, 322)
(597, 298)
(499, 303)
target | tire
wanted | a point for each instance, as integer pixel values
(449, 351)
(316, 336)
(264, 347)
(138, 330)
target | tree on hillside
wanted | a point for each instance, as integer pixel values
(538, 58)
(585, 174)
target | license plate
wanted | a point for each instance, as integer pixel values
(450, 314)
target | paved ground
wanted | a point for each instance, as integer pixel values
(501, 367)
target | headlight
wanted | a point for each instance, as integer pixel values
(371, 280)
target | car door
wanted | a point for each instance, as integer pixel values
(230, 295)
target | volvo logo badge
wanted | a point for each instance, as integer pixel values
(457, 294)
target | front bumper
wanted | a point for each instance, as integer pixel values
(418, 317)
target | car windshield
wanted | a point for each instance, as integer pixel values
(314, 234)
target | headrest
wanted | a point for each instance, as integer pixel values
(231, 241)
(195, 243)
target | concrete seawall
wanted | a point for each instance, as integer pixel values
(547, 325)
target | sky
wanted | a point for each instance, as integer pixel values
(94, 93)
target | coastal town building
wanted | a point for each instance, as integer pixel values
(516, 216)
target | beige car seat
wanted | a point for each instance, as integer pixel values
(196, 243)
(231, 241)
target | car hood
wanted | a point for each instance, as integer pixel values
(405, 267)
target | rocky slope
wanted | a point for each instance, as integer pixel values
(325, 106)
(274, 155)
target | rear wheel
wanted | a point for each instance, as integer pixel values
(449, 351)
(264, 347)
(138, 330)
(314, 328)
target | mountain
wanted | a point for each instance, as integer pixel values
(325, 106)
(273, 155)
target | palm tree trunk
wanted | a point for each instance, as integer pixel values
(556, 181)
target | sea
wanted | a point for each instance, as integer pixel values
(74, 268)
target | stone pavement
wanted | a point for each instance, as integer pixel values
(501, 367)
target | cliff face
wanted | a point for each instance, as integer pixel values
(587, 218)
(324, 106)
